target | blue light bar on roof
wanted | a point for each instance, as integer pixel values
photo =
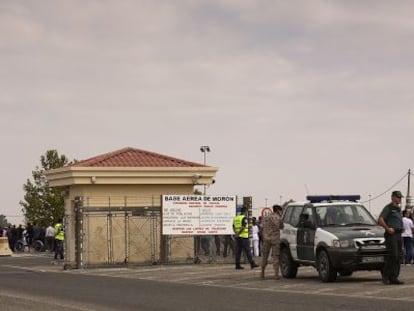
(330, 197)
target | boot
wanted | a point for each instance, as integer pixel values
(253, 265)
(277, 277)
(262, 273)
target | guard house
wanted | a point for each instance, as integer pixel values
(113, 204)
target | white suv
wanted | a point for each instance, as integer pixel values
(335, 234)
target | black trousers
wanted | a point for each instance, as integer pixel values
(58, 249)
(243, 245)
(393, 243)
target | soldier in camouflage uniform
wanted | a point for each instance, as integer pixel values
(271, 239)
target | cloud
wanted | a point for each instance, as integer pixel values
(293, 92)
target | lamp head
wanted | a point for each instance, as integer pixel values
(205, 148)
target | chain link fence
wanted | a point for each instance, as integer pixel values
(123, 230)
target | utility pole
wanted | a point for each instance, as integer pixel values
(408, 197)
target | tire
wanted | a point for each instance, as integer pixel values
(288, 267)
(19, 247)
(38, 246)
(346, 273)
(326, 272)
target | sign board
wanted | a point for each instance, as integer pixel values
(198, 214)
(266, 211)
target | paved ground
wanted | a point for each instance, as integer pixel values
(363, 284)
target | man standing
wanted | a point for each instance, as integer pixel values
(391, 220)
(255, 237)
(241, 230)
(50, 237)
(271, 239)
(407, 236)
(59, 238)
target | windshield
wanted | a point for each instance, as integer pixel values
(343, 215)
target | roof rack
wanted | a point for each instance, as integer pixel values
(330, 198)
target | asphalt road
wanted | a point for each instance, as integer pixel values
(33, 283)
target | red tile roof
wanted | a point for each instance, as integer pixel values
(130, 157)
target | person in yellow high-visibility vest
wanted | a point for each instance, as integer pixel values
(59, 238)
(241, 230)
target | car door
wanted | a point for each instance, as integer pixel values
(291, 228)
(306, 235)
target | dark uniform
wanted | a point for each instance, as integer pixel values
(393, 218)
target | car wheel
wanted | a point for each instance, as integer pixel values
(38, 246)
(19, 247)
(288, 268)
(326, 272)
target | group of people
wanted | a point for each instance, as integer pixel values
(268, 231)
(51, 237)
(27, 235)
(398, 226)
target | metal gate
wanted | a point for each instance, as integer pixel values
(113, 234)
(120, 237)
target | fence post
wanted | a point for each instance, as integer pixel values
(153, 235)
(248, 204)
(126, 231)
(109, 234)
(79, 232)
(164, 240)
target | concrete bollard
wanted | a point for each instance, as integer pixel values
(4, 247)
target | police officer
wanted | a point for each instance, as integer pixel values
(271, 239)
(391, 220)
(59, 238)
(241, 231)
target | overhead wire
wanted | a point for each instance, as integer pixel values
(386, 191)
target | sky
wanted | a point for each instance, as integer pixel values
(293, 97)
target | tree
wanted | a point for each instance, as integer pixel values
(3, 222)
(42, 204)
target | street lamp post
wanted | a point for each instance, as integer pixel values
(204, 150)
(369, 201)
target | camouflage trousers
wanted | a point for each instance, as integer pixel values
(274, 246)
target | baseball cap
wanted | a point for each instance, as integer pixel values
(397, 194)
